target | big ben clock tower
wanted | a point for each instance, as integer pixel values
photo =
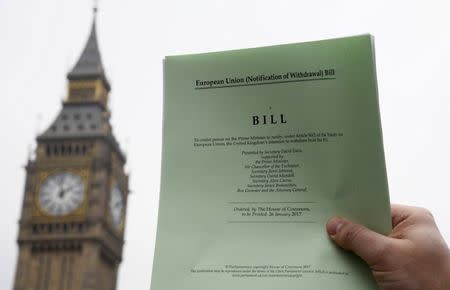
(74, 207)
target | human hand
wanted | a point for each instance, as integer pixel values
(414, 256)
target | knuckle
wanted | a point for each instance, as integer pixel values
(350, 235)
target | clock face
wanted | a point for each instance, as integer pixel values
(61, 193)
(116, 206)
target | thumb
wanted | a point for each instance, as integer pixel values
(367, 244)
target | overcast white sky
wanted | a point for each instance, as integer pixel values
(41, 40)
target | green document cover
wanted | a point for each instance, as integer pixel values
(260, 148)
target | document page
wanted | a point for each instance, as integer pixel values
(260, 148)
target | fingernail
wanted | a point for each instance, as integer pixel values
(333, 225)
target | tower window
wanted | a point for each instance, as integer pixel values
(66, 127)
(82, 93)
(64, 117)
(81, 127)
(76, 116)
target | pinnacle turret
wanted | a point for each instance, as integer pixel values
(89, 65)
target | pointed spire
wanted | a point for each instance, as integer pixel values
(89, 65)
(95, 8)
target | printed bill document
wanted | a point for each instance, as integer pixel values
(261, 147)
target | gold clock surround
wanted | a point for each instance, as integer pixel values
(76, 215)
(120, 227)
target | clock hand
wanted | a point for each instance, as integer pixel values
(62, 192)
